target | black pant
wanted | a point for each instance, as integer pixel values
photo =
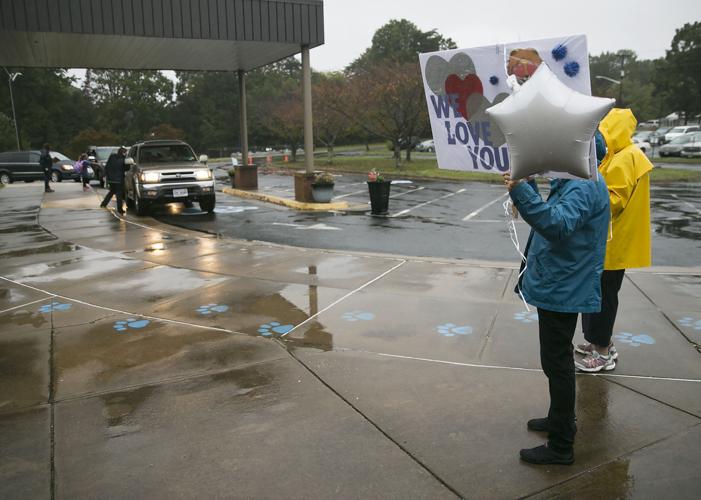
(85, 179)
(598, 327)
(556, 357)
(47, 178)
(118, 191)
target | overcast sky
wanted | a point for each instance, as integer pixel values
(645, 26)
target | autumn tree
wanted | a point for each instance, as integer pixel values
(330, 124)
(91, 137)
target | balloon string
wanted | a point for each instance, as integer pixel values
(511, 224)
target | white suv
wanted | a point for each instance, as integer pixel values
(679, 131)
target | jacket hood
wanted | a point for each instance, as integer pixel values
(617, 127)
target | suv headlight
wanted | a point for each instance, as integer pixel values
(150, 177)
(67, 168)
(203, 174)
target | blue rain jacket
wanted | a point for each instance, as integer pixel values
(567, 243)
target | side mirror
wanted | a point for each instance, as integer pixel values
(204, 158)
(129, 161)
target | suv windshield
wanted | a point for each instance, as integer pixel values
(56, 154)
(166, 154)
(103, 153)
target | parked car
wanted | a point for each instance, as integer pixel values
(644, 146)
(101, 154)
(428, 146)
(679, 131)
(692, 148)
(24, 166)
(674, 148)
(657, 137)
(166, 171)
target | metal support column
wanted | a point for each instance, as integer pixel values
(243, 118)
(307, 97)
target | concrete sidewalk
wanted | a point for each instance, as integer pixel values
(140, 360)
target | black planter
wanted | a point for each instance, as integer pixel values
(379, 197)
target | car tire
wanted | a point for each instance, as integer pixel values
(207, 204)
(5, 178)
(140, 207)
(431, 150)
(56, 176)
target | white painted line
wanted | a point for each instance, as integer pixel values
(350, 194)
(353, 292)
(28, 303)
(428, 202)
(407, 192)
(128, 313)
(534, 370)
(686, 203)
(479, 210)
(319, 227)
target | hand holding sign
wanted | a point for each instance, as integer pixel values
(549, 126)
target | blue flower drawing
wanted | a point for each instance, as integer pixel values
(690, 322)
(269, 329)
(526, 316)
(212, 309)
(452, 330)
(358, 316)
(54, 306)
(634, 340)
(130, 323)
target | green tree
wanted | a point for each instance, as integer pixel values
(90, 137)
(129, 102)
(399, 41)
(681, 74)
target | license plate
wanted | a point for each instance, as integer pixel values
(179, 193)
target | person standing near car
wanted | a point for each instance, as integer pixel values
(626, 170)
(114, 170)
(46, 161)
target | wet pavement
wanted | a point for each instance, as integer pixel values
(143, 360)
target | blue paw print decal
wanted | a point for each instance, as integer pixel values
(634, 340)
(451, 330)
(54, 306)
(358, 316)
(690, 322)
(131, 323)
(212, 309)
(274, 327)
(526, 317)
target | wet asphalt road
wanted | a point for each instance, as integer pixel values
(427, 219)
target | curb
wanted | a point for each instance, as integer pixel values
(297, 205)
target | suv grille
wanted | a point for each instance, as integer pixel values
(177, 176)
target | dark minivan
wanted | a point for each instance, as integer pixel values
(24, 166)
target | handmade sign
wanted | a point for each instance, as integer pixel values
(461, 84)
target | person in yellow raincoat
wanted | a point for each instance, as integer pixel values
(626, 171)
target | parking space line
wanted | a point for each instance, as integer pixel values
(28, 303)
(350, 194)
(427, 202)
(686, 203)
(479, 210)
(353, 292)
(407, 192)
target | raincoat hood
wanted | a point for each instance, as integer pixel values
(617, 127)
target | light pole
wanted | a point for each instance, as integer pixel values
(11, 78)
(617, 82)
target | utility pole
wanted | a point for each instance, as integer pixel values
(11, 78)
(623, 73)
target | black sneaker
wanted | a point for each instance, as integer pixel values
(542, 455)
(538, 424)
(49, 190)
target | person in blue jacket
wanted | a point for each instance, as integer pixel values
(565, 259)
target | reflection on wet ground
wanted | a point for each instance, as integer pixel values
(235, 361)
(677, 212)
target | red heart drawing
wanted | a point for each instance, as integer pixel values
(463, 88)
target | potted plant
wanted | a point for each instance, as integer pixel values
(322, 187)
(379, 193)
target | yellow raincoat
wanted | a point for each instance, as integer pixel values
(625, 168)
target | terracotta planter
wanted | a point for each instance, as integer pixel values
(246, 177)
(303, 187)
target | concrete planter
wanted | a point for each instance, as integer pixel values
(303, 187)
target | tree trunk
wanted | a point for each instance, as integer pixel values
(397, 155)
(408, 153)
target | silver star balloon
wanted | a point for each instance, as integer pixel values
(549, 126)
